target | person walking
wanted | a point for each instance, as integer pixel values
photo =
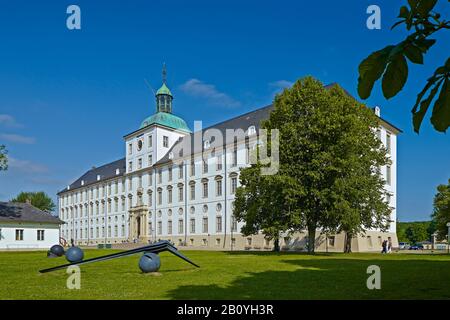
(384, 246)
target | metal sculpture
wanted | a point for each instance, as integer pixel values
(55, 251)
(149, 262)
(156, 248)
(74, 254)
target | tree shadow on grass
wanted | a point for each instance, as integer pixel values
(332, 279)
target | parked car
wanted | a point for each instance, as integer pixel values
(403, 245)
(416, 247)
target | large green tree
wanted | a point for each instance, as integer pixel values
(261, 204)
(38, 199)
(329, 153)
(441, 212)
(416, 233)
(422, 21)
(3, 158)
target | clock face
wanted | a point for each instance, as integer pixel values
(140, 144)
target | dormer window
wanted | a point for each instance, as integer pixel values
(165, 141)
(251, 130)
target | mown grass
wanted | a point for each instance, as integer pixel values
(225, 275)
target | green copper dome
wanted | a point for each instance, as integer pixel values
(164, 90)
(167, 120)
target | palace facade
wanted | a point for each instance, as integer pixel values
(178, 185)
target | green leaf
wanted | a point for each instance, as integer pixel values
(395, 76)
(441, 109)
(404, 12)
(414, 54)
(412, 3)
(371, 69)
(425, 6)
(430, 82)
(425, 44)
(418, 116)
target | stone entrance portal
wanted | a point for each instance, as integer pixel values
(139, 223)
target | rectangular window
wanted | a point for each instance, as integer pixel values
(170, 173)
(159, 227)
(140, 181)
(205, 166)
(192, 167)
(388, 142)
(122, 231)
(233, 185)
(140, 163)
(169, 195)
(180, 194)
(130, 166)
(150, 228)
(180, 171)
(234, 159)
(150, 141)
(219, 162)
(205, 190)
(192, 225)
(150, 160)
(165, 141)
(331, 241)
(205, 225)
(180, 226)
(219, 188)
(192, 187)
(159, 176)
(388, 175)
(130, 148)
(218, 224)
(159, 197)
(40, 235)
(169, 227)
(233, 224)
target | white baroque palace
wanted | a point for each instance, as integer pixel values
(159, 190)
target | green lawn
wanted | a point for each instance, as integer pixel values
(237, 275)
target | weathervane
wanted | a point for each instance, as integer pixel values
(164, 73)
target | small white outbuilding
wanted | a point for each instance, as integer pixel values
(23, 226)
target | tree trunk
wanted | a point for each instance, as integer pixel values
(276, 245)
(348, 242)
(311, 239)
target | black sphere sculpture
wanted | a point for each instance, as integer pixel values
(149, 262)
(57, 250)
(74, 254)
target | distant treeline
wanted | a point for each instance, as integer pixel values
(413, 232)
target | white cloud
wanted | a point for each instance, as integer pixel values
(281, 84)
(9, 121)
(199, 89)
(17, 138)
(26, 166)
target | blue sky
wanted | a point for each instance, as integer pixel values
(68, 97)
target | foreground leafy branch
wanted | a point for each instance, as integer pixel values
(391, 64)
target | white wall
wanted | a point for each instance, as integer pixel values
(8, 238)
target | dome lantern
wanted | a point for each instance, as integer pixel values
(163, 95)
